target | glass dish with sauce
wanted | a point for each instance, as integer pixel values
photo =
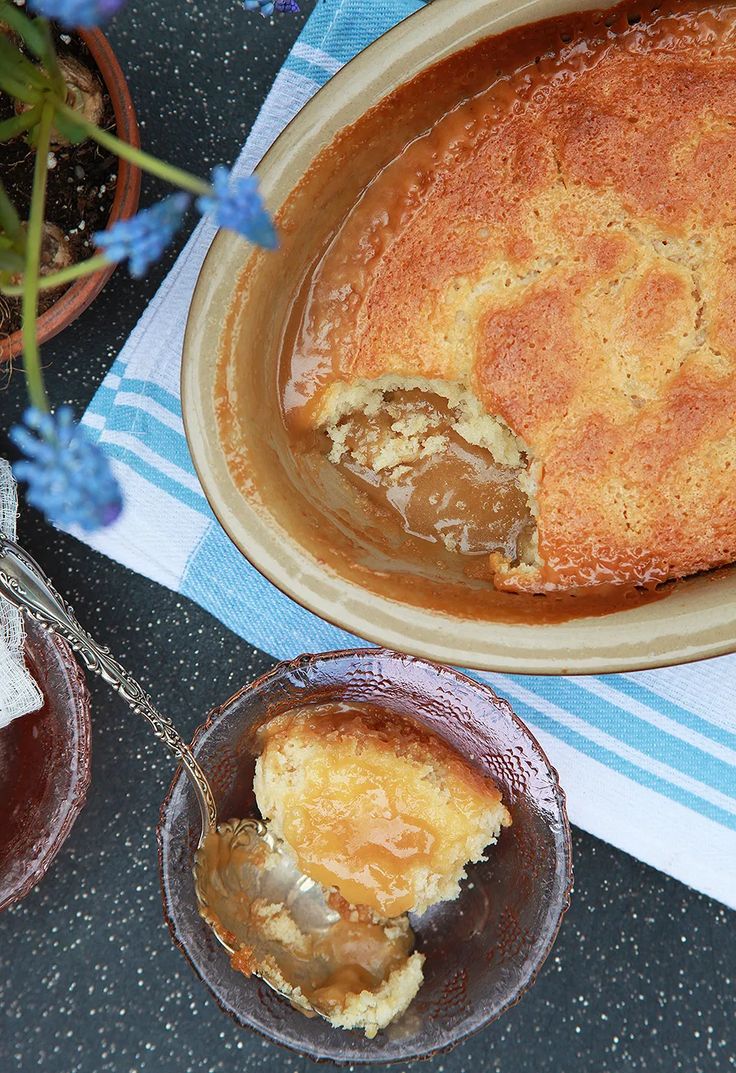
(44, 767)
(480, 950)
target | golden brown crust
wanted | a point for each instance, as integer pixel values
(571, 259)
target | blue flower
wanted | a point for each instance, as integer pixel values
(143, 238)
(237, 205)
(267, 7)
(77, 13)
(68, 477)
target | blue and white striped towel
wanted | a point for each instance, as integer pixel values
(648, 760)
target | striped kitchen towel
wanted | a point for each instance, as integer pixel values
(648, 760)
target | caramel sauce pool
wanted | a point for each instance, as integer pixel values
(358, 956)
(353, 954)
(458, 496)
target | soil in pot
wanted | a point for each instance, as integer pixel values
(80, 187)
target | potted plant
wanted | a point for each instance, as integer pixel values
(88, 188)
(48, 104)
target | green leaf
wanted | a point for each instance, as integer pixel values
(15, 77)
(51, 64)
(9, 219)
(71, 130)
(27, 29)
(15, 88)
(11, 128)
(19, 67)
(10, 261)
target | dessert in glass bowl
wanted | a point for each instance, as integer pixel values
(481, 950)
(385, 816)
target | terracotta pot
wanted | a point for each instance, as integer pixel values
(77, 297)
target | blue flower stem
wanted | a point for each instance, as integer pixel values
(34, 240)
(170, 174)
(66, 275)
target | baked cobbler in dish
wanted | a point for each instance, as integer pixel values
(520, 345)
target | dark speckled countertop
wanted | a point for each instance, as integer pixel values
(643, 976)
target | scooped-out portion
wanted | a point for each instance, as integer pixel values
(356, 969)
(426, 450)
(382, 817)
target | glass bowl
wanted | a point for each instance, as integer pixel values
(484, 950)
(44, 767)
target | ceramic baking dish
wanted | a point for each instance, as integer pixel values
(696, 620)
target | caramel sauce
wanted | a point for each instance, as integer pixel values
(360, 837)
(371, 814)
(457, 496)
(347, 980)
(355, 956)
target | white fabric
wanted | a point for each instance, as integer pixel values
(19, 694)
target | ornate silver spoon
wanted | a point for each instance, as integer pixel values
(239, 864)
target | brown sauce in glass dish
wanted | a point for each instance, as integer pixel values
(508, 379)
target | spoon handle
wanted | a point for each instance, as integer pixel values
(25, 585)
